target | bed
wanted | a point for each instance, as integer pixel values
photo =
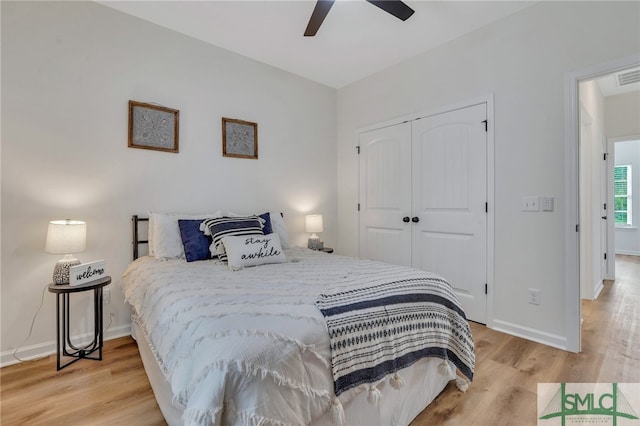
(313, 338)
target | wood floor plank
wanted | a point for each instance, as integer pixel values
(508, 368)
(116, 391)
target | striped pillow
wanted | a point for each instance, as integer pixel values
(221, 227)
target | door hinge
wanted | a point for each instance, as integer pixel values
(486, 207)
(578, 228)
(604, 156)
(486, 288)
(486, 125)
(605, 206)
(358, 149)
(605, 256)
(358, 206)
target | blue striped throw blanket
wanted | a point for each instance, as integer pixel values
(378, 330)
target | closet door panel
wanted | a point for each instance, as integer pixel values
(449, 195)
(385, 194)
(439, 251)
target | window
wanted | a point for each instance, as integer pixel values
(622, 195)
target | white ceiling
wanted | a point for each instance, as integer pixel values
(609, 84)
(357, 39)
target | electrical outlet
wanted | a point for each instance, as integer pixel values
(530, 203)
(106, 296)
(546, 204)
(534, 296)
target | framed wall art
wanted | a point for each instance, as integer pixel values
(239, 138)
(153, 127)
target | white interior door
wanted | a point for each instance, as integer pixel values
(385, 194)
(449, 202)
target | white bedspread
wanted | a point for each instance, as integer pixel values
(248, 346)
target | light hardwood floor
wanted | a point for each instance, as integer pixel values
(115, 391)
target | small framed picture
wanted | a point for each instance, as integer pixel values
(153, 127)
(239, 138)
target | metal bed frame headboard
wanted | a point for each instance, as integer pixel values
(135, 219)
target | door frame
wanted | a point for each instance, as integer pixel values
(573, 307)
(487, 99)
(608, 270)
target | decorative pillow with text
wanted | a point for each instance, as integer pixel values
(252, 250)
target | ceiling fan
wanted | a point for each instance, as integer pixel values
(395, 7)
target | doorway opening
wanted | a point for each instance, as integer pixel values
(606, 110)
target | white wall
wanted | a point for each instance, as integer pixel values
(523, 60)
(68, 71)
(622, 115)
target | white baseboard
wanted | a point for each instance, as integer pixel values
(598, 289)
(41, 350)
(545, 338)
(628, 252)
(596, 292)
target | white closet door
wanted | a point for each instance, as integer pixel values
(449, 194)
(385, 194)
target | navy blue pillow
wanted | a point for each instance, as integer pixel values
(267, 223)
(196, 244)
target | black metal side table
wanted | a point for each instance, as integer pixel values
(64, 345)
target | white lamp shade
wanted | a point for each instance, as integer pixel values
(66, 237)
(313, 223)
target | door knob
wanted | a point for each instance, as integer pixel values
(415, 219)
(406, 219)
(604, 217)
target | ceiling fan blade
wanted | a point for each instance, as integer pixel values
(318, 15)
(395, 7)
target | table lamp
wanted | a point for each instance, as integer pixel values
(65, 237)
(313, 224)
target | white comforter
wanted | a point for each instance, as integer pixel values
(247, 346)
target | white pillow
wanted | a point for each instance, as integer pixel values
(277, 226)
(252, 250)
(164, 233)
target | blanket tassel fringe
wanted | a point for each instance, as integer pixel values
(445, 369)
(374, 395)
(396, 381)
(461, 384)
(337, 411)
